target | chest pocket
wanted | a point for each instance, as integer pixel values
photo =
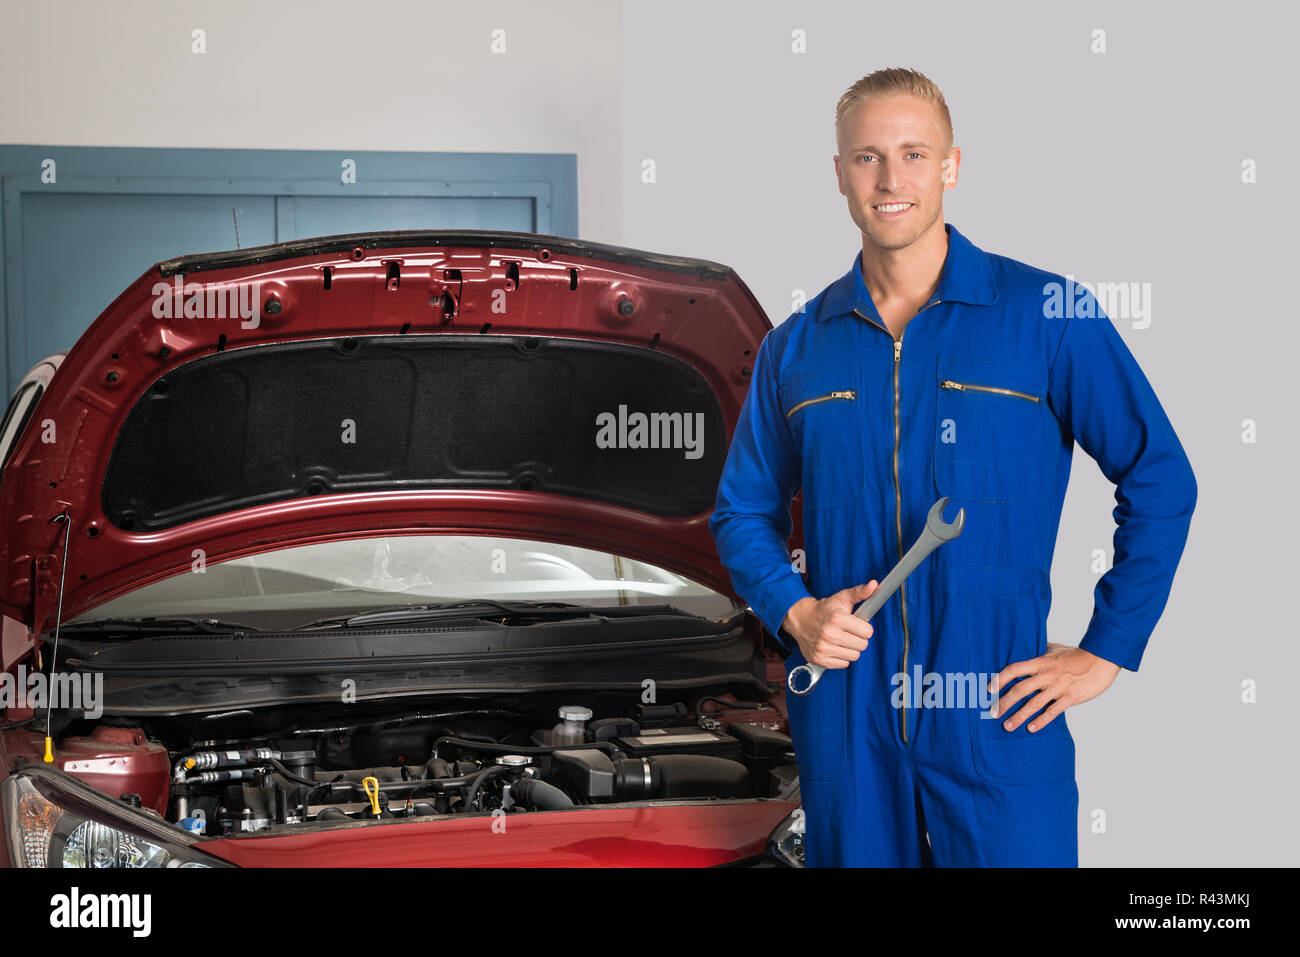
(826, 412)
(990, 423)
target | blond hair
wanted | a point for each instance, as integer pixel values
(891, 82)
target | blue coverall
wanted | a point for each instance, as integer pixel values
(874, 430)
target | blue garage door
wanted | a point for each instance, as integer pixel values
(73, 241)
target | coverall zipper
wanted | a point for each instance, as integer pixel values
(963, 386)
(847, 394)
(898, 486)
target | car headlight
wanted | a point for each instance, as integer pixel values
(785, 843)
(53, 820)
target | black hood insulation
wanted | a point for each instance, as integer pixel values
(270, 423)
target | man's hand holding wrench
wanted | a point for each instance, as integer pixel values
(830, 634)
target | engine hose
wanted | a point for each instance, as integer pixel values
(437, 768)
(227, 774)
(539, 794)
(495, 771)
(289, 775)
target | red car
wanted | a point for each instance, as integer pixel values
(389, 549)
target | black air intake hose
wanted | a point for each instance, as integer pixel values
(680, 775)
(539, 794)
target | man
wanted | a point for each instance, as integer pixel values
(1004, 368)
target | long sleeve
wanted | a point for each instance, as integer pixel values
(751, 518)
(1101, 395)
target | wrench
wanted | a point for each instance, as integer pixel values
(935, 533)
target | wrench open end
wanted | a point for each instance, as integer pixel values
(944, 531)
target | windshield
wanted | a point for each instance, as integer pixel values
(291, 587)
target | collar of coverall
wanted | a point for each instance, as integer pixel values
(966, 277)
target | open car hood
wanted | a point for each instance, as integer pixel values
(381, 383)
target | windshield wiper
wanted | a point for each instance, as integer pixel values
(209, 626)
(451, 611)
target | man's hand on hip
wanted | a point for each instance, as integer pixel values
(827, 631)
(1064, 676)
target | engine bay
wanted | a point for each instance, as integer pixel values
(288, 768)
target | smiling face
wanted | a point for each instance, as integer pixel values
(894, 163)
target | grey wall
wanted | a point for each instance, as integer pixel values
(326, 74)
(1115, 167)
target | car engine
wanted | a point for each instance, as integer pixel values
(471, 758)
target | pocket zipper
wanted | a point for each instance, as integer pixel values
(963, 386)
(847, 394)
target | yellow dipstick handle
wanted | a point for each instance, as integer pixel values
(49, 750)
(371, 785)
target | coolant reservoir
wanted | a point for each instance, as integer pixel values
(572, 728)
